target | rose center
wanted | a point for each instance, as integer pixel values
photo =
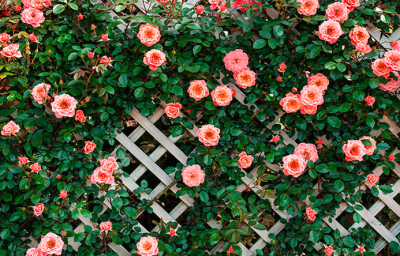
(208, 135)
(147, 246)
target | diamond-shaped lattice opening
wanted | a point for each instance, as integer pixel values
(167, 160)
(169, 201)
(134, 163)
(147, 143)
(146, 219)
(150, 178)
(387, 217)
(346, 218)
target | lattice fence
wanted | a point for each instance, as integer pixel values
(167, 145)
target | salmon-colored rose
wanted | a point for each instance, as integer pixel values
(361, 249)
(276, 138)
(282, 67)
(51, 244)
(147, 246)
(391, 158)
(372, 179)
(245, 160)
(37, 4)
(359, 35)
(369, 149)
(63, 194)
(308, 109)
(23, 160)
(222, 95)
(311, 213)
(308, 7)
(172, 232)
(354, 150)
(38, 209)
(106, 226)
(392, 85)
(311, 95)
(10, 128)
(104, 37)
(34, 252)
(40, 92)
(105, 60)
(307, 151)
(329, 251)
(208, 135)
(363, 48)
(380, 68)
(370, 100)
(279, 79)
(4, 37)
(330, 31)
(230, 250)
(395, 45)
(392, 59)
(193, 175)
(351, 4)
(290, 103)
(199, 9)
(101, 177)
(64, 105)
(337, 12)
(294, 165)
(80, 116)
(18, 8)
(11, 50)
(149, 34)
(319, 80)
(154, 59)
(35, 167)
(32, 37)
(80, 16)
(90, 55)
(89, 147)
(32, 17)
(198, 89)
(245, 78)
(109, 165)
(172, 109)
(236, 60)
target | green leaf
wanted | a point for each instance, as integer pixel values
(204, 196)
(278, 30)
(119, 8)
(272, 43)
(196, 49)
(176, 130)
(334, 121)
(394, 246)
(73, 6)
(260, 43)
(338, 185)
(207, 159)
(348, 241)
(121, 153)
(86, 213)
(123, 80)
(5, 234)
(73, 56)
(330, 65)
(110, 89)
(357, 217)
(341, 67)
(177, 90)
(117, 203)
(385, 189)
(314, 236)
(58, 9)
(67, 137)
(139, 92)
(215, 239)
(104, 116)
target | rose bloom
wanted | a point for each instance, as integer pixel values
(380, 68)
(33, 252)
(149, 34)
(106, 226)
(80, 116)
(109, 165)
(282, 67)
(89, 147)
(63, 233)
(172, 109)
(32, 17)
(330, 31)
(63, 194)
(40, 92)
(193, 175)
(351, 4)
(359, 35)
(222, 95)
(37, 4)
(370, 100)
(10, 128)
(392, 59)
(369, 149)
(11, 50)
(32, 37)
(208, 135)
(276, 138)
(230, 250)
(35, 167)
(245, 78)
(38, 209)
(147, 246)
(198, 89)
(51, 244)
(308, 109)
(279, 79)
(80, 16)
(319, 80)
(307, 151)
(395, 45)
(329, 251)
(214, 4)
(23, 160)
(311, 213)
(58, 176)
(391, 157)
(64, 105)
(104, 37)
(361, 249)
(293, 165)
(154, 58)
(236, 60)
(199, 9)
(391, 85)
(93, 27)
(363, 48)
(308, 7)
(90, 55)
(105, 60)
(239, 3)
(337, 12)
(290, 103)
(18, 8)
(4, 37)
(311, 95)
(101, 177)
(245, 160)
(354, 150)
(223, 7)
(172, 232)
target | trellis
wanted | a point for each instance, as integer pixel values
(167, 182)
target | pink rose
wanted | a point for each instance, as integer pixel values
(391, 85)
(276, 138)
(239, 3)
(104, 37)
(199, 9)
(37, 4)
(193, 175)
(222, 7)
(359, 35)
(172, 109)
(354, 150)
(106, 226)
(293, 165)
(279, 79)
(361, 249)
(64, 105)
(329, 251)
(109, 165)
(330, 31)
(32, 37)
(282, 67)
(58, 176)
(80, 16)
(319, 80)
(208, 135)
(149, 34)
(18, 8)
(308, 109)
(311, 214)
(34, 252)
(80, 116)
(308, 7)
(90, 55)
(391, 158)
(32, 17)
(363, 48)
(230, 250)
(392, 59)
(236, 60)
(23, 160)
(11, 50)
(4, 37)
(40, 92)
(51, 244)
(222, 95)
(99, 176)
(38, 209)
(351, 4)
(311, 95)
(89, 147)
(245, 78)
(10, 128)
(63, 194)
(395, 45)
(369, 149)
(245, 160)
(307, 151)
(63, 233)
(337, 12)
(35, 167)
(372, 179)
(172, 232)
(290, 103)
(370, 100)
(105, 60)
(380, 68)
(147, 246)
(154, 59)
(198, 89)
